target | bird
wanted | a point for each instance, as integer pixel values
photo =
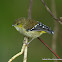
(31, 28)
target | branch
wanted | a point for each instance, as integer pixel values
(56, 28)
(29, 9)
(25, 50)
(54, 17)
(50, 49)
(29, 16)
(18, 54)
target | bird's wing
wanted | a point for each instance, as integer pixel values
(41, 27)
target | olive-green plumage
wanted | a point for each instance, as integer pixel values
(27, 23)
(31, 28)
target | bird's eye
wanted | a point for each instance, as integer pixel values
(17, 23)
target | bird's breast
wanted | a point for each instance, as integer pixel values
(32, 34)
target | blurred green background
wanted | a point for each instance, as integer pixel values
(11, 41)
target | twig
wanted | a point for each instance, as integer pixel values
(29, 16)
(50, 49)
(56, 28)
(54, 17)
(18, 54)
(25, 50)
(29, 9)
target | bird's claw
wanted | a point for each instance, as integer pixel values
(26, 44)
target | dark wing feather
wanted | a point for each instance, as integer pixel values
(41, 27)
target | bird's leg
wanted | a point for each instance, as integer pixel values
(29, 42)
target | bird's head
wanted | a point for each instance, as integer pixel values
(18, 23)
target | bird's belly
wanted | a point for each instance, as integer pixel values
(32, 34)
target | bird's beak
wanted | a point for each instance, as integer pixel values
(13, 25)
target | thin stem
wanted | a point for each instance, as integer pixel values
(29, 9)
(50, 49)
(25, 50)
(56, 28)
(26, 39)
(18, 54)
(54, 17)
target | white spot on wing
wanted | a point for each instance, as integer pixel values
(31, 29)
(43, 27)
(35, 26)
(52, 32)
(40, 25)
